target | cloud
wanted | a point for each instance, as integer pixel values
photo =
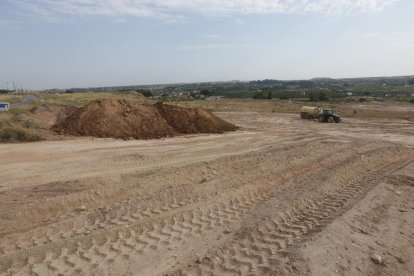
(169, 9)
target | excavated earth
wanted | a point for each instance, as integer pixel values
(282, 196)
(115, 118)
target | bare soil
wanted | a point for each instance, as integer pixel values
(281, 196)
(122, 119)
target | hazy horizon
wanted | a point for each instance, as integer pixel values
(90, 43)
(218, 81)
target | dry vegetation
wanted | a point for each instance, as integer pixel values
(32, 122)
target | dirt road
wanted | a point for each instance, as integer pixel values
(280, 197)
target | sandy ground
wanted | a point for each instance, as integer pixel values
(280, 197)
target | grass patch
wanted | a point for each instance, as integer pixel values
(244, 105)
(81, 99)
(17, 134)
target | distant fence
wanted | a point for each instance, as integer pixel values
(4, 106)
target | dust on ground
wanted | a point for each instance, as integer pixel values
(281, 196)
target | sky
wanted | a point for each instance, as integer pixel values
(47, 44)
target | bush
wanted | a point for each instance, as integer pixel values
(34, 108)
(269, 95)
(362, 100)
(206, 93)
(312, 97)
(412, 101)
(323, 97)
(259, 95)
(11, 134)
(146, 93)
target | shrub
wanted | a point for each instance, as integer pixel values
(146, 93)
(269, 95)
(323, 97)
(311, 97)
(259, 95)
(206, 93)
(412, 101)
(34, 108)
(11, 134)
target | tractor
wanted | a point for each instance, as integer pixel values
(323, 115)
(329, 116)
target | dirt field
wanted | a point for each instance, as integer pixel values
(281, 196)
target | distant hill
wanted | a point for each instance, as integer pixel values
(393, 80)
(399, 88)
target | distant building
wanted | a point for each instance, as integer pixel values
(412, 94)
(349, 94)
(4, 106)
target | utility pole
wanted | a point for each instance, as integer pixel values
(14, 87)
(7, 85)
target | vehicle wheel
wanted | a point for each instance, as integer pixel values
(321, 119)
(330, 120)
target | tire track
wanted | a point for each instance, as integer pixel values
(130, 212)
(76, 255)
(131, 233)
(259, 251)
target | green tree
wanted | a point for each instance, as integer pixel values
(322, 96)
(258, 95)
(206, 92)
(311, 97)
(145, 93)
(269, 95)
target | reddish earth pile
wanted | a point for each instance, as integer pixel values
(124, 119)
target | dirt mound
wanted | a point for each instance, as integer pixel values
(124, 119)
(192, 120)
